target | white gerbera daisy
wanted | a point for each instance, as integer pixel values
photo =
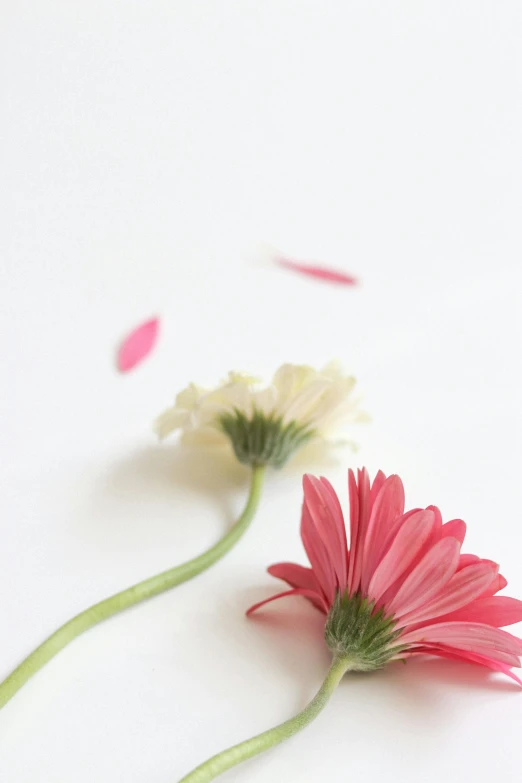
(265, 425)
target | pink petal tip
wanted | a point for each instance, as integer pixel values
(318, 271)
(137, 345)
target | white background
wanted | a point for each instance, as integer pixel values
(148, 148)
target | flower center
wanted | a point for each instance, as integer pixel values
(357, 632)
(263, 439)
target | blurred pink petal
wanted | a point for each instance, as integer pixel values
(137, 345)
(318, 271)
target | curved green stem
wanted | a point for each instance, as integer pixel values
(235, 755)
(133, 595)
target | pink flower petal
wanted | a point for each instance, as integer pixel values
(408, 542)
(455, 528)
(300, 577)
(498, 610)
(388, 507)
(434, 571)
(296, 575)
(317, 554)
(473, 637)
(327, 516)
(434, 649)
(377, 484)
(435, 536)
(335, 508)
(318, 271)
(496, 585)
(468, 657)
(463, 587)
(137, 345)
(297, 591)
(437, 529)
(360, 505)
(394, 530)
(466, 560)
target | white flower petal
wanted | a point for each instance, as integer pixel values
(170, 420)
(265, 400)
(313, 400)
(290, 379)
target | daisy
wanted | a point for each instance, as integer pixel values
(401, 588)
(264, 425)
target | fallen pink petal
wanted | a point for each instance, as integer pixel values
(318, 271)
(137, 345)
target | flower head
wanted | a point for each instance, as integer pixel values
(403, 587)
(264, 425)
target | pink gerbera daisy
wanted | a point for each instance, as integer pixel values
(402, 588)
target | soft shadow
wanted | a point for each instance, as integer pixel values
(318, 455)
(200, 470)
(419, 688)
(153, 476)
(424, 676)
(215, 473)
(287, 634)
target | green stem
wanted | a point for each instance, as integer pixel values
(235, 755)
(133, 595)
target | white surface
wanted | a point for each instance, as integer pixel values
(147, 149)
